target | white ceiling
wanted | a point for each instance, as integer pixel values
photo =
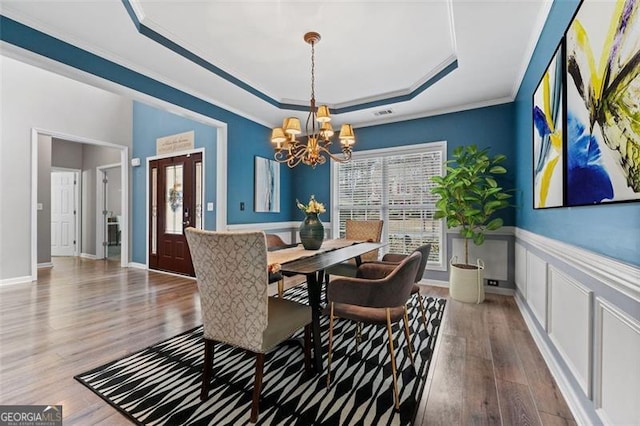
(370, 50)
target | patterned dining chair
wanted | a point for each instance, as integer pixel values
(231, 270)
(274, 242)
(378, 296)
(363, 230)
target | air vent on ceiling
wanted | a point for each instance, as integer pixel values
(383, 112)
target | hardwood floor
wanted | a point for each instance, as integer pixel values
(83, 313)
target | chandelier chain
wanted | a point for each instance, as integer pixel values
(313, 70)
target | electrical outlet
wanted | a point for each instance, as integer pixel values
(242, 206)
(493, 283)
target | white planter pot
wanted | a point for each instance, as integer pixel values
(467, 284)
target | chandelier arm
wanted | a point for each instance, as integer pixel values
(347, 156)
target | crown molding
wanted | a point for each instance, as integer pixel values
(541, 20)
(433, 113)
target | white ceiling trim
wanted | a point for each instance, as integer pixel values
(531, 46)
(358, 103)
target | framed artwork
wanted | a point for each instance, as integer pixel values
(603, 111)
(267, 185)
(549, 135)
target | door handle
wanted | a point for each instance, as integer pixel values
(186, 223)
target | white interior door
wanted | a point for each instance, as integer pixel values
(63, 214)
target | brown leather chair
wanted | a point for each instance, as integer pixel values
(394, 259)
(231, 269)
(378, 296)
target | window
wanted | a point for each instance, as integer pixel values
(394, 185)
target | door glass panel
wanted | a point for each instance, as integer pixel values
(154, 210)
(174, 207)
(199, 195)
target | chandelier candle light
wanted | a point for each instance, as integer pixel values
(318, 130)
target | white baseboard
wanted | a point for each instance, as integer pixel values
(137, 265)
(487, 289)
(568, 392)
(172, 274)
(88, 256)
(44, 265)
(15, 280)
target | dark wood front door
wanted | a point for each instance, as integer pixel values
(175, 203)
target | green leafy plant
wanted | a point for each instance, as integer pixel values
(470, 195)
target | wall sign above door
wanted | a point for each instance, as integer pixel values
(175, 143)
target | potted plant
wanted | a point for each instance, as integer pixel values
(469, 197)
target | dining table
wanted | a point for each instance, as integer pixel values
(312, 263)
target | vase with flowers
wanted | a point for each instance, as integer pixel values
(311, 229)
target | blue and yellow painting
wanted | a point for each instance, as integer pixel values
(603, 103)
(548, 138)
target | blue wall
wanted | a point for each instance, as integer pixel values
(149, 124)
(612, 230)
(486, 127)
(248, 142)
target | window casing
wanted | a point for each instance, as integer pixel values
(393, 184)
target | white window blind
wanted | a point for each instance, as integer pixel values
(393, 185)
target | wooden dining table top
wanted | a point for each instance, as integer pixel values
(297, 260)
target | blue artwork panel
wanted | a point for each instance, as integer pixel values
(603, 112)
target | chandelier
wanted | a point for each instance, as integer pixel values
(318, 128)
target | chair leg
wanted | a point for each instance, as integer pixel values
(424, 316)
(330, 344)
(280, 288)
(257, 386)
(393, 361)
(307, 348)
(206, 371)
(407, 334)
(358, 334)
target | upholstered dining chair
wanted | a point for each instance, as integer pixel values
(377, 297)
(274, 242)
(363, 230)
(395, 258)
(231, 270)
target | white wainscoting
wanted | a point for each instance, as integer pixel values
(617, 359)
(537, 287)
(492, 252)
(583, 311)
(521, 269)
(569, 324)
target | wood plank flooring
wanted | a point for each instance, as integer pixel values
(83, 313)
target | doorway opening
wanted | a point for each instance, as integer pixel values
(42, 166)
(108, 212)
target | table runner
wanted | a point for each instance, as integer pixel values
(298, 252)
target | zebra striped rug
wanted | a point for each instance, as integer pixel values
(161, 384)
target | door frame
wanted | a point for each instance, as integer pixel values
(77, 204)
(124, 170)
(100, 223)
(148, 194)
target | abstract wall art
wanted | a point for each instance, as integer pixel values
(603, 103)
(548, 135)
(267, 185)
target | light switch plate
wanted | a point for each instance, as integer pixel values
(39, 206)
(209, 207)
